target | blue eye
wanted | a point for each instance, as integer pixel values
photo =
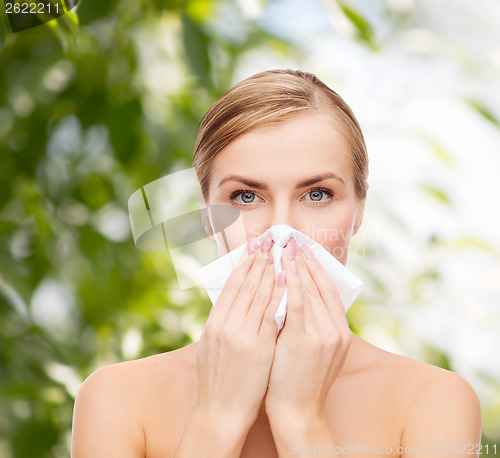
(316, 195)
(247, 197)
(319, 195)
(242, 197)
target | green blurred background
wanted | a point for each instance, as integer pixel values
(108, 97)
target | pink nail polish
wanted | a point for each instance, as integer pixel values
(291, 249)
(307, 252)
(266, 243)
(281, 279)
(293, 267)
(252, 245)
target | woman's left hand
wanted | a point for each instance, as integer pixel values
(313, 344)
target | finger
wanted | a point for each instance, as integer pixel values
(325, 285)
(247, 290)
(261, 298)
(252, 245)
(232, 285)
(294, 321)
(315, 310)
(269, 327)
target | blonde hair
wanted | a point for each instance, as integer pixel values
(268, 98)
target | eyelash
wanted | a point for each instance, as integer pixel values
(326, 191)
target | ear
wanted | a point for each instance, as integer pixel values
(205, 217)
(207, 225)
(360, 210)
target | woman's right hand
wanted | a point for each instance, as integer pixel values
(236, 350)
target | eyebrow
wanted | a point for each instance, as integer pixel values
(259, 185)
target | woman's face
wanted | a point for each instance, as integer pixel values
(295, 173)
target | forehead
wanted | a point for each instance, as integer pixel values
(303, 145)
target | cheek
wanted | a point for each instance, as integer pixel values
(332, 235)
(333, 231)
(238, 233)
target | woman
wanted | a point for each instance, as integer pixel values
(284, 149)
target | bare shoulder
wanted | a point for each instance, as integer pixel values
(128, 375)
(131, 383)
(426, 380)
(421, 380)
(114, 403)
(439, 405)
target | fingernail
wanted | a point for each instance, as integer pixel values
(291, 249)
(281, 279)
(265, 245)
(270, 260)
(252, 245)
(293, 267)
(307, 252)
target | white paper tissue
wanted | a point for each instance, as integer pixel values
(215, 274)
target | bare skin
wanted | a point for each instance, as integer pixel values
(354, 393)
(370, 403)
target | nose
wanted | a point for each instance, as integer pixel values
(282, 213)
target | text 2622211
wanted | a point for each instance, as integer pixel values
(31, 8)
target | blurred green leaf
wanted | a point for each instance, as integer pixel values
(3, 31)
(439, 151)
(442, 154)
(472, 242)
(35, 437)
(437, 193)
(66, 29)
(196, 45)
(484, 112)
(200, 10)
(437, 357)
(363, 27)
(90, 11)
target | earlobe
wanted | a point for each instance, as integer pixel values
(205, 217)
(359, 218)
(357, 225)
(205, 220)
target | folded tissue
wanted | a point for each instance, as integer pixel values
(215, 274)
